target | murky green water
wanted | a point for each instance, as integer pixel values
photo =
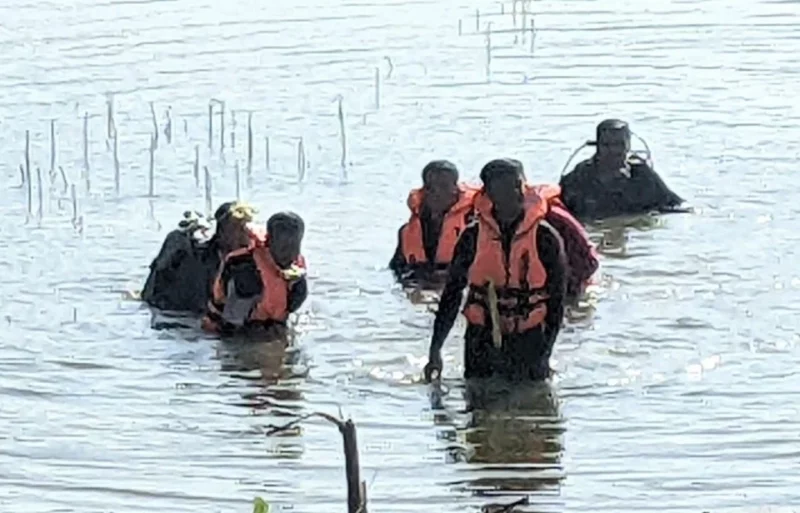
(679, 392)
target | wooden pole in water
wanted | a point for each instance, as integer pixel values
(301, 161)
(377, 88)
(208, 190)
(222, 126)
(116, 161)
(524, 25)
(210, 126)
(233, 129)
(238, 181)
(249, 148)
(477, 20)
(64, 179)
(86, 151)
(197, 165)
(533, 34)
(343, 132)
(460, 31)
(52, 151)
(110, 115)
(355, 502)
(168, 127)
(74, 195)
(152, 170)
(40, 192)
(514, 12)
(28, 171)
(155, 124)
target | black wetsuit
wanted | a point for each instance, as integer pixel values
(431, 231)
(588, 196)
(182, 274)
(523, 356)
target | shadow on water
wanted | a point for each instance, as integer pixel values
(508, 444)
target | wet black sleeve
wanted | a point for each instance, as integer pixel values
(659, 197)
(553, 257)
(398, 264)
(453, 293)
(298, 294)
(570, 191)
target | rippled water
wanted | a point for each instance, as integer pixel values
(679, 392)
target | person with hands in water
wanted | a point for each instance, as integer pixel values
(614, 181)
(440, 211)
(260, 285)
(182, 274)
(514, 263)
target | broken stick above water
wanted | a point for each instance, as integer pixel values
(356, 488)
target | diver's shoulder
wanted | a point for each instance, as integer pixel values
(581, 169)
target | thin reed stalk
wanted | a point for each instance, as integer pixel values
(377, 88)
(28, 171)
(152, 168)
(343, 134)
(168, 126)
(301, 161)
(116, 162)
(86, 171)
(238, 181)
(154, 119)
(74, 194)
(249, 148)
(40, 191)
(207, 190)
(196, 165)
(233, 129)
(52, 151)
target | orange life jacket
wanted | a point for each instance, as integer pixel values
(274, 302)
(453, 225)
(519, 279)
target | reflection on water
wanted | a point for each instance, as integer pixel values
(507, 441)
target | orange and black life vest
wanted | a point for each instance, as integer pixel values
(519, 277)
(455, 221)
(274, 301)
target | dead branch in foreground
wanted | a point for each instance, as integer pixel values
(356, 488)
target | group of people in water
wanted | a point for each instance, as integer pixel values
(518, 248)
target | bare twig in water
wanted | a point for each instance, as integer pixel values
(210, 126)
(533, 34)
(207, 190)
(86, 151)
(74, 195)
(238, 181)
(301, 161)
(52, 152)
(249, 149)
(168, 126)
(116, 161)
(21, 177)
(477, 20)
(356, 488)
(111, 128)
(460, 30)
(524, 24)
(343, 133)
(233, 129)
(377, 88)
(221, 126)
(151, 170)
(28, 170)
(64, 179)
(514, 11)
(506, 508)
(391, 67)
(155, 125)
(197, 165)
(185, 127)
(40, 192)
